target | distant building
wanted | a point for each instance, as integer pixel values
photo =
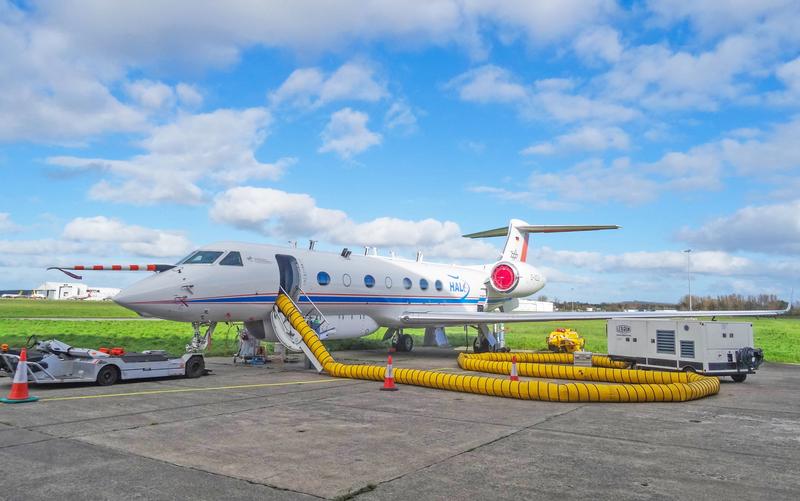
(62, 290)
(534, 306)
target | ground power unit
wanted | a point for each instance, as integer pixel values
(706, 347)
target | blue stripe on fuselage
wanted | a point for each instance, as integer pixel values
(341, 299)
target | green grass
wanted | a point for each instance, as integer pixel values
(41, 308)
(779, 337)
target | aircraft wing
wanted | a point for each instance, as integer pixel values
(442, 318)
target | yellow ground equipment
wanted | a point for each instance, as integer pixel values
(607, 381)
(565, 340)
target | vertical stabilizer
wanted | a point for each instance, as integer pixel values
(516, 248)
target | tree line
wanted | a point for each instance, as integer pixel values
(722, 302)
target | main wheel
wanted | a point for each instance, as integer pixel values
(739, 378)
(405, 343)
(108, 375)
(195, 367)
(481, 346)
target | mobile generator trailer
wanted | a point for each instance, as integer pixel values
(706, 347)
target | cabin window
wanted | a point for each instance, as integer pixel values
(202, 257)
(323, 278)
(438, 285)
(407, 283)
(369, 281)
(423, 284)
(346, 280)
(388, 282)
(232, 259)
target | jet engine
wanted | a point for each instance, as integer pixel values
(515, 279)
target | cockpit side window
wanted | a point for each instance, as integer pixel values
(202, 257)
(232, 259)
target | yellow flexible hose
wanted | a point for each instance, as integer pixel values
(617, 384)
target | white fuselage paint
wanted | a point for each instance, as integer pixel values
(217, 293)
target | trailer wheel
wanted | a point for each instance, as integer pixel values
(108, 375)
(689, 368)
(739, 378)
(195, 367)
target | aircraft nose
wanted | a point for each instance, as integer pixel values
(146, 297)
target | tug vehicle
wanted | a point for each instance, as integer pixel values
(53, 361)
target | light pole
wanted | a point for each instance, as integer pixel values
(689, 274)
(572, 293)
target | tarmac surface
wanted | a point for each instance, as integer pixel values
(281, 432)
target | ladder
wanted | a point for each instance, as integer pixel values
(290, 338)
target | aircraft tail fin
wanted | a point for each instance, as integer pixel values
(518, 231)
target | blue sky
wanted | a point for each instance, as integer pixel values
(135, 134)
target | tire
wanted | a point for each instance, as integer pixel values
(481, 347)
(108, 375)
(689, 368)
(195, 367)
(405, 343)
(739, 378)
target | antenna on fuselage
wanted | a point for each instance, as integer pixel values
(311, 244)
(419, 256)
(293, 244)
(346, 253)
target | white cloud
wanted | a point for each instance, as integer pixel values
(189, 95)
(540, 22)
(587, 138)
(488, 84)
(714, 17)
(346, 134)
(698, 169)
(132, 239)
(49, 92)
(310, 88)
(771, 229)
(400, 116)
(703, 262)
(600, 43)
(6, 224)
(547, 98)
(277, 213)
(216, 147)
(151, 95)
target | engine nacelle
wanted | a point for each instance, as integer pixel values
(515, 279)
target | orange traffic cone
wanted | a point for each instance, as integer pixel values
(388, 379)
(514, 376)
(19, 388)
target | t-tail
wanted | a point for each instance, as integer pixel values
(518, 231)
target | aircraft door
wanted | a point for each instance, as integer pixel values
(289, 273)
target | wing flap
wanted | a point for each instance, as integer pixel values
(415, 318)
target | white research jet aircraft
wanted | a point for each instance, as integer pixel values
(347, 296)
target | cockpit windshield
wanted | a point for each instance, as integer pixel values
(202, 257)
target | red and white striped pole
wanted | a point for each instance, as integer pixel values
(19, 388)
(514, 376)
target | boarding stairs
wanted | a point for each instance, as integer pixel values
(288, 335)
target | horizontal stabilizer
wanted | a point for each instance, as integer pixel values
(501, 232)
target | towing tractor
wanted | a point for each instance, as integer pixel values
(706, 347)
(56, 362)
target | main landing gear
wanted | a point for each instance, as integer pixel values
(400, 342)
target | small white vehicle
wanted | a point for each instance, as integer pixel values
(56, 362)
(706, 347)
